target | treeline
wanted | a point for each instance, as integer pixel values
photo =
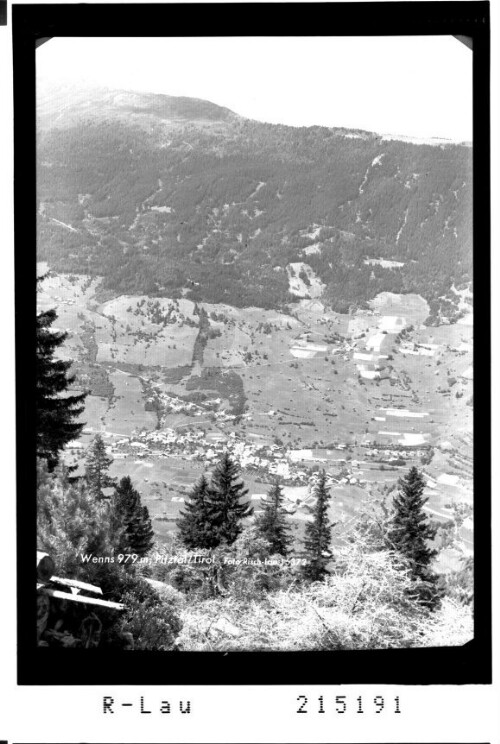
(215, 515)
(253, 586)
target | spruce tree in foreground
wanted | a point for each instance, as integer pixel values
(194, 523)
(140, 532)
(97, 464)
(226, 510)
(124, 506)
(56, 412)
(131, 520)
(409, 530)
(272, 523)
(318, 533)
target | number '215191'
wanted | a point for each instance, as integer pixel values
(344, 704)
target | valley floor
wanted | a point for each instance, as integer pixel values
(364, 396)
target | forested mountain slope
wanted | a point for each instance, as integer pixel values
(179, 197)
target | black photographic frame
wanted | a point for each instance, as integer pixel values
(32, 24)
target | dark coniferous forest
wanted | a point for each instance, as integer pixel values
(170, 196)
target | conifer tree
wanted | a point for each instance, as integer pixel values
(124, 506)
(226, 510)
(97, 464)
(409, 529)
(71, 523)
(318, 533)
(131, 520)
(56, 412)
(194, 523)
(140, 532)
(214, 512)
(272, 523)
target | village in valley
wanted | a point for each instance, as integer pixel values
(364, 395)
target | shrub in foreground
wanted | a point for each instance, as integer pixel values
(151, 619)
(365, 603)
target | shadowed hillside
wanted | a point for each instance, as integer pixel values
(179, 197)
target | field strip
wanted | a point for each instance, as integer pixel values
(197, 423)
(403, 413)
(439, 514)
(244, 366)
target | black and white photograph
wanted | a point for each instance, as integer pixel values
(254, 343)
(253, 294)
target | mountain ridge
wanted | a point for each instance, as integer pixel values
(213, 206)
(192, 103)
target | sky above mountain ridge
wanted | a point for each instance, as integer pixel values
(417, 87)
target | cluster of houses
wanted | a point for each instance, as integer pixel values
(62, 300)
(265, 460)
(392, 454)
(168, 403)
(412, 348)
